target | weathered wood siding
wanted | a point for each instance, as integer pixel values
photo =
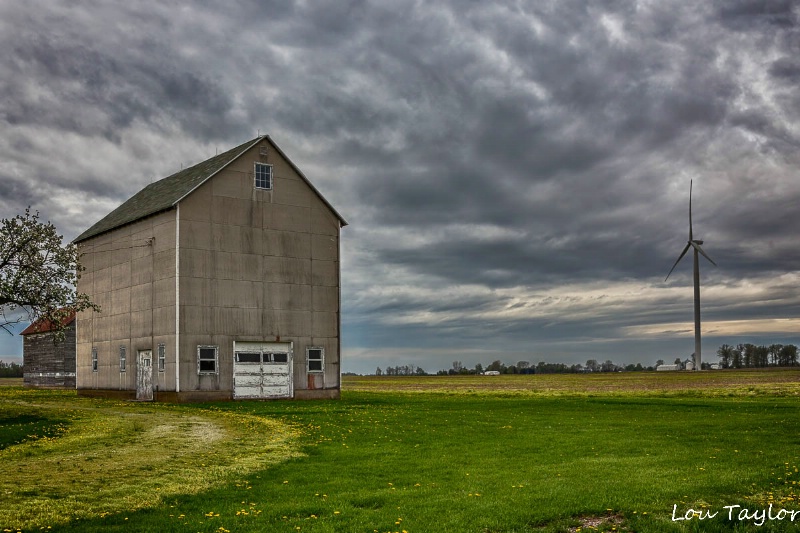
(46, 364)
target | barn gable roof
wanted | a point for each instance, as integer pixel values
(166, 193)
(44, 325)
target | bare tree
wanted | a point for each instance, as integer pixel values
(775, 354)
(736, 356)
(789, 355)
(725, 354)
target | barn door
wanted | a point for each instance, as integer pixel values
(262, 370)
(144, 375)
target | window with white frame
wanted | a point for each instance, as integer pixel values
(207, 362)
(122, 359)
(263, 174)
(162, 357)
(94, 359)
(314, 357)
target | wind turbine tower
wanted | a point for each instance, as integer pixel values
(695, 244)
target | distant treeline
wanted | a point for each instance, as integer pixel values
(522, 367)
(739, 356)
(10, 370)
(753, 356)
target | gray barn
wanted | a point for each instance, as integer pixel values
(47, 362)
(219, 282)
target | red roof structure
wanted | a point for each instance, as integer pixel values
(44, 325)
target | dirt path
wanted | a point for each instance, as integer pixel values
(116, 456)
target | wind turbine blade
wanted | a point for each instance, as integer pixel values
(697, 247)
(690, 210)
(679, 260)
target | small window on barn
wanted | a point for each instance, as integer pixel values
(248, 357)
(207, 359)
(94, 359)
(122, 359)
(263, 176)
(162, 357)
(314, 356)
(280, 358)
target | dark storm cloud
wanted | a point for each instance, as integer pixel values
(514, 169)
(786, 69)
(753, 15)
(603, 118)
(140, 79)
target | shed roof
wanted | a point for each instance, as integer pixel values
(167, 192)
(43, 325)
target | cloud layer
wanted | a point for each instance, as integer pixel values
(516, 177)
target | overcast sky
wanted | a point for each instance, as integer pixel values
(515, 174)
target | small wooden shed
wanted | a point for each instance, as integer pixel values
(47, 362)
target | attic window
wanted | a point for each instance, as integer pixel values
(263, 176)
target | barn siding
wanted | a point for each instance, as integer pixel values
(259, 265)
(130, 274)
(49, 365)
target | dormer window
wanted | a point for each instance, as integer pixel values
(263, 176)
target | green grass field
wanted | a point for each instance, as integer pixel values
(437, 454)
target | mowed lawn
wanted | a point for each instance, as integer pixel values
(612, 452)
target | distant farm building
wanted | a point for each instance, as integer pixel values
(662, 368)
(47, 362)
(218, 282)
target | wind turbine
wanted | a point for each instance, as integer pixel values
(694, 243)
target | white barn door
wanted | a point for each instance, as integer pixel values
(262, 370)
(144, 375)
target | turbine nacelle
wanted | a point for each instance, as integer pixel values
(691, 243)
